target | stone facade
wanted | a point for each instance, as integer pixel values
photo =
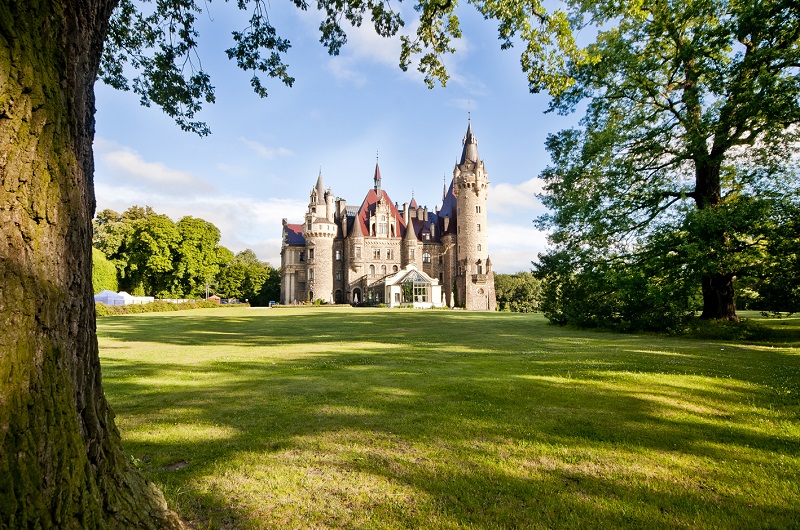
(340, 250)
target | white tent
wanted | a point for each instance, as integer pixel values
(121, 298)
(111, 298)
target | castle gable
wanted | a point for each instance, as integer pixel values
(369, 208)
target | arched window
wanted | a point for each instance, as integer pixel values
(383, 270)
(394, 268)
(479, 247)
(372, 270)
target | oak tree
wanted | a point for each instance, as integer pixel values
(688, 143)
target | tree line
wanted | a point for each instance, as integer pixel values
(147, 254)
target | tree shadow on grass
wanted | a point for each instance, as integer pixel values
(486, 429)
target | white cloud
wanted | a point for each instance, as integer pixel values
(124, 165)
(505, 198)
(266, 152)
(512, 247)
(343, 69)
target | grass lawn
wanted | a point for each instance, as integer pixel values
(380, 418)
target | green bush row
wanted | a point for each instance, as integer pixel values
(103, 310)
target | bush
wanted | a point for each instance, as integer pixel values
(102, 310)
(746, 330)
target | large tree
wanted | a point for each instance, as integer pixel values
(691, 127)
(689, 140)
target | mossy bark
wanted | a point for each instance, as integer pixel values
(61, 462)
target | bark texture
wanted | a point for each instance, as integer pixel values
(719, 302)
(61, 461)
(718, 297)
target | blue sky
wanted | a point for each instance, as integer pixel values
(263, 156)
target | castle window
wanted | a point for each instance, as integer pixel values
(308, 224)
(480, 268)
(388, 253)
(302, 255)
(310, 274)
(376, 253)
(383, 270)
(441, 277)
(383, 226)
(441, 259)
(426, 258)
(338, 255)
(372, 270)
(358, 252)
(477, 209)
(412, 253)
(479, 227)
(479, 247)
(338, 276)
(394, 268)
(311, 253)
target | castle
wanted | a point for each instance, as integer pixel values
(355, 254)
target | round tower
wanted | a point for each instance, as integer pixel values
(319, 231)
(471, 183)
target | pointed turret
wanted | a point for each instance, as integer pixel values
(320, 189)
(470, 151)
(377, 177)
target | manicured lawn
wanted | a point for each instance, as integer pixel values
(371, 418)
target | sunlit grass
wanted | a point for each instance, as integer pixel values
(368, 418)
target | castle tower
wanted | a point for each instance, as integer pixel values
(319, 231)
(411, 255)
(474, 278)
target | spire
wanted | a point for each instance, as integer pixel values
(470, 152)
(377, 178)
(320, 189)
(444, 186)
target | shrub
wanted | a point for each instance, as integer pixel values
(102, 310)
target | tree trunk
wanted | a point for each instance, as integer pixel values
(718, 290)
(718, 300)
(61, 462)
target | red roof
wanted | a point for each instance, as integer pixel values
(368, 206)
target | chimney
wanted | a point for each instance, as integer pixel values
(405, 212)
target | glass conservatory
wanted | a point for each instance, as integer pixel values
(409, 287)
